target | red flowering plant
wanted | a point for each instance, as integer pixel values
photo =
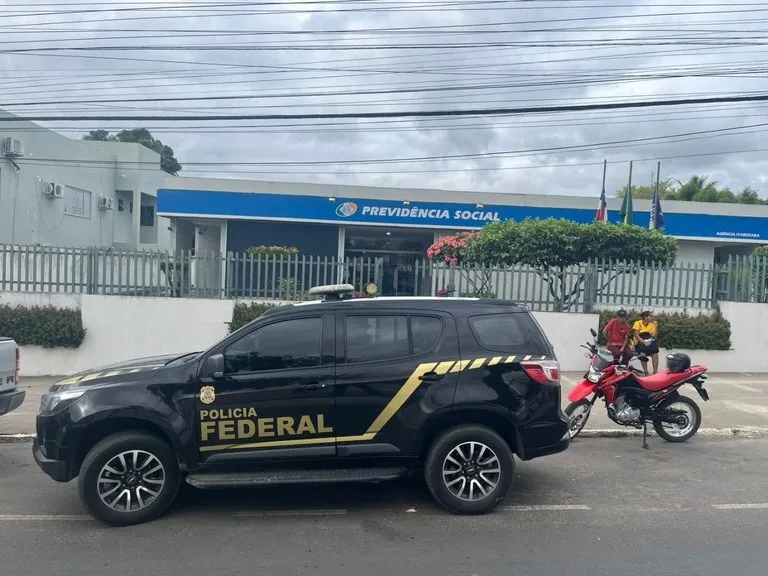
(455, 250)
(450, 249)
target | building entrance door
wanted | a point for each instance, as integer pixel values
(400, 254)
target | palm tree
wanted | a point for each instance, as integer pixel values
(697, 188)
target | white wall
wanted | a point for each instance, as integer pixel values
(122, 328)
(566, 331)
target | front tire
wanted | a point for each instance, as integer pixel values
(469, 469)
(678, 432)
(578, 414)
(129, 478)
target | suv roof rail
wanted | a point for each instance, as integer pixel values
(332, 291)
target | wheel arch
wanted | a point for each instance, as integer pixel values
(492, 419)
(97, 430)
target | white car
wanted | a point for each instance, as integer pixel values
(10, 396)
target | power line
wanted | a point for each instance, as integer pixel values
(398, 114)
(478, 155)
(569, 165)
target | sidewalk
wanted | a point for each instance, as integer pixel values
(736, 401)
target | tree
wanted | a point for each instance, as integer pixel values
(552, 247)
(666, 189)
(696, 189)
(168, 162)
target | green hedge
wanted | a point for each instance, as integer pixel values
(45, 326)
(681, 331)
(243, 313)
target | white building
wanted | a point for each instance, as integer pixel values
(57, 191)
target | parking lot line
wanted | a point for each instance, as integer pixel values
(543, 507)
(43, 517)
(288, 513)
(751, 506)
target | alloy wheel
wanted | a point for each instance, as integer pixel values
(471, 471)
(131, 481)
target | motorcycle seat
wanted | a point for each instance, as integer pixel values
(662, 379)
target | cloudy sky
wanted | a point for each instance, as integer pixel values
(168, 57)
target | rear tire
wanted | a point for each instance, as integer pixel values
(575, 427)
(469, 469)
(690, 429)
(129, 478)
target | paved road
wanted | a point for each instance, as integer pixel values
(604, 507)
(738, 400)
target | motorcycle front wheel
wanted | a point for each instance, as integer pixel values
(578, 414)
(690, 416)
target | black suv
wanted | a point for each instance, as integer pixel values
(336, 390)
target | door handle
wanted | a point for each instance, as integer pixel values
(431, 377)
(313, 385)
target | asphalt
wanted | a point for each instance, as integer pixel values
(738, 401)
(603, 507)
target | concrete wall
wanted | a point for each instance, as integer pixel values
(86, 169)
(122, 328)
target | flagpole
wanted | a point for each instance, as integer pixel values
(605, 167)
(629, 185)
(658, 172)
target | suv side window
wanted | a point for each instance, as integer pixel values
(426, 331)
(500, 332)
(283, 345)
(372, 338)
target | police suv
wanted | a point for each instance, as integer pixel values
(334, 390)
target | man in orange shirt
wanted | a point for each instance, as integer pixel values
(617, 333)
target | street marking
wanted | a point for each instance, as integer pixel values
(543, 507)
(43, 517)
(290, 513)
(745, 387)
(755, 506)
(748, 408)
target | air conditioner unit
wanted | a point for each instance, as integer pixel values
(52, 190)
(105, 203)
(12, 148)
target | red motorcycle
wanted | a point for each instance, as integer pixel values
(633, 399)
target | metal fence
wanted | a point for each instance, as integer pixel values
(585, 287)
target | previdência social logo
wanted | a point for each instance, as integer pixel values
(346, 209)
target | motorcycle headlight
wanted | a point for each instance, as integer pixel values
(56, 401)
(594, 375)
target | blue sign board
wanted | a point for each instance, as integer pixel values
(441, 215)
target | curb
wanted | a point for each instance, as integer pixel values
(736, 432)
(16, 438)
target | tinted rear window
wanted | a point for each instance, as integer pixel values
(511, 332)
(426, 332)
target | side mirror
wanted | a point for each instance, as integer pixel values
(594, 334)
(214, 367)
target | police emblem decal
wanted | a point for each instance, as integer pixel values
(207, 394)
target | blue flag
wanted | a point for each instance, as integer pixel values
(657, 215)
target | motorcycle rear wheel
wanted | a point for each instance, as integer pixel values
(677, 433)
(578, 414)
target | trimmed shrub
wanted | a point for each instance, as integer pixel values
(243, 313)
(45, 326)
(272, 250)
(681, 331)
